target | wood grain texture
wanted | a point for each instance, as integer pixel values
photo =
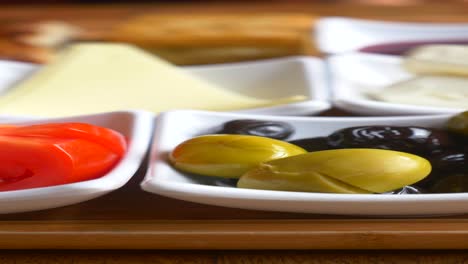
(233, 257)
(342, 257)
(434, 10)
(239, 234)
(107, 257)
(101, 17)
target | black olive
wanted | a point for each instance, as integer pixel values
(270, 129)
(311, 144)
(451, 183)
(461, 141)
(450, 160)
(414, 140)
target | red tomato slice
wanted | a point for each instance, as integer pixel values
(90, 160)
(7, 126)
(56, 153)
(106, 137)
(27, 162)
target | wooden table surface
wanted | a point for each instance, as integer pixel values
(140, 211)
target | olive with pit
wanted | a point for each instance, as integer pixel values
(459, 123)
(416, 140)
(271, 129)
(339, 171)
(228, 155)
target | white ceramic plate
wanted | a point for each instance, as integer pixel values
(135, 125)
(178, 126)
(267, 79)
(338, 34)
(354, 75)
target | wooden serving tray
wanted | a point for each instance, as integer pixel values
(130, 218)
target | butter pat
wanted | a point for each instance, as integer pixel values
(438, 60)
(93, 78)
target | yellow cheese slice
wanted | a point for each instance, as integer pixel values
(94, 77)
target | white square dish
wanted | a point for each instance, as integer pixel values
(267, 79)
(355, 75)
(339, 34)
(178, 126)
(136, 126)
(274, 78)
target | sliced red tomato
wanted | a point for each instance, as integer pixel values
(7, 126)
(53, 154)
(89, 160)
(29, 163)
(107, 137)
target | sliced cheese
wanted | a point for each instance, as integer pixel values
(94, 77)
(438, 91)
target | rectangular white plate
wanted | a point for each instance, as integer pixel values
(136, 126)
(267, 79)
(339, 35)
(175, 127)
(354, 75)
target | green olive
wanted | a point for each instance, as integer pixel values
(228, 155)
(339, 171)
(459, 123)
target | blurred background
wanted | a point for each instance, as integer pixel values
(196, 32)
